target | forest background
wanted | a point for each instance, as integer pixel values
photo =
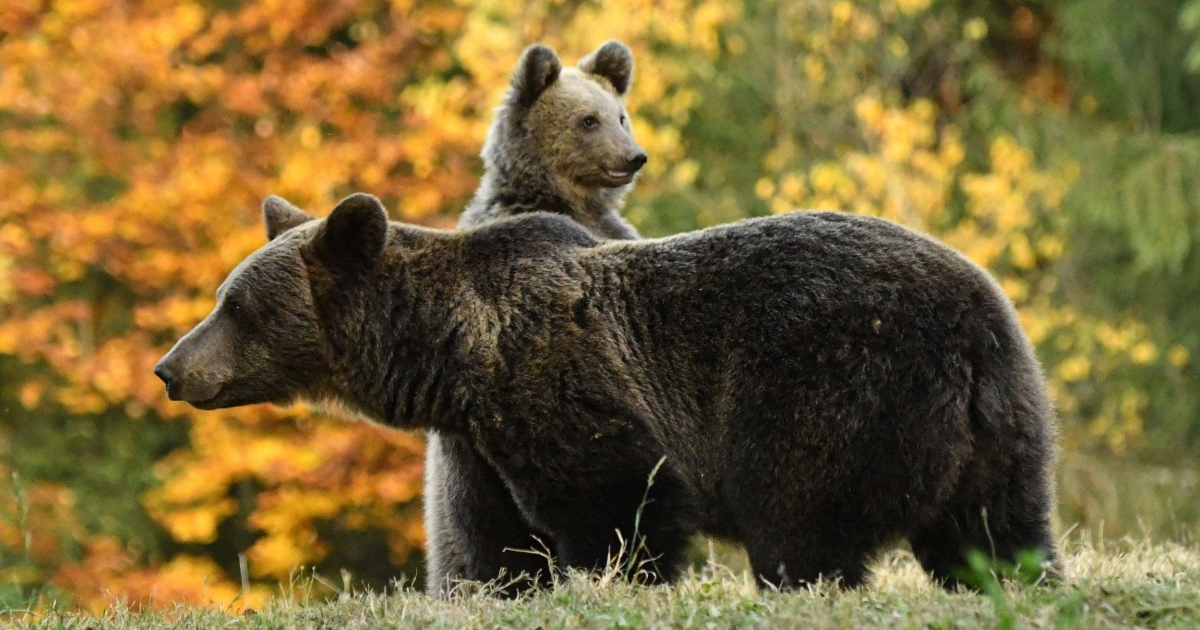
(1056, 142)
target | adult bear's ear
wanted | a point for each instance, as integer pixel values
(612, 60)
(354, 234)
(537, 70)
(280, 216)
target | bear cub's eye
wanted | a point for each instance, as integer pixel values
(590, 121)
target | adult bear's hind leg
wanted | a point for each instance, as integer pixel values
(1000, 516)
(942, 546)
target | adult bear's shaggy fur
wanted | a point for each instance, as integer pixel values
(818, 383)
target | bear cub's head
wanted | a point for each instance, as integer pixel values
(266, 340)
(567, 125)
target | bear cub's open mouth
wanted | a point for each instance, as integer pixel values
(620, 177)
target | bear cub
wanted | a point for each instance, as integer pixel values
(561, 142)
(812, 385)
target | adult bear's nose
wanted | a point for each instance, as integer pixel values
(163, 371)
(636, 162)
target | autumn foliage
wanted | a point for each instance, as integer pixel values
(137, 140)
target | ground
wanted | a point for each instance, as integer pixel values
(1117, 585)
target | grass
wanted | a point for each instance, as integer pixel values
(1129, 584)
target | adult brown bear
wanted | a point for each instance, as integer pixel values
(817, 383)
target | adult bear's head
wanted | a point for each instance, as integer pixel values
(269, 337)
(567, 125)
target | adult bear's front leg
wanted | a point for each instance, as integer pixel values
(474, 530)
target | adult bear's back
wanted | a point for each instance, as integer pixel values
(828, 273)
(820, 309)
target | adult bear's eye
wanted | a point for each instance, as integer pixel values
(234, 307)
(590, 121)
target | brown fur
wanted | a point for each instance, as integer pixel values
(818, 383)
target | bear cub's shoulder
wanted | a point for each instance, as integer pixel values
(530, 231)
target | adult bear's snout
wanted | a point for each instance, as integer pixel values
(184, 384)
(199, 365)
(195, 385)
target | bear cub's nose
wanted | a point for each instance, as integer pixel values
(637, 162)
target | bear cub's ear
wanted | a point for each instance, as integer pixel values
(537, 70)
(612, 60)
(355, 233)
(280, 216)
